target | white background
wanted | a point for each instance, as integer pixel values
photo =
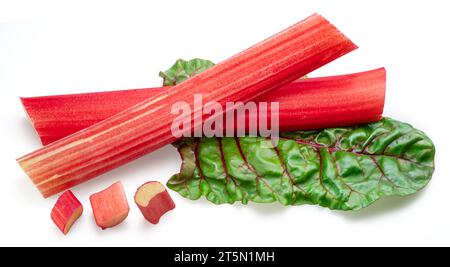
(55, 47)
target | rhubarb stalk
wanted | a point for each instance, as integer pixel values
(306, 104)
(146, 126)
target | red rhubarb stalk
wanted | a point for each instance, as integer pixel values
(146, 126)
(110, 206)
(66, 211)
(55, 117)
(306, 104)
(154, 201)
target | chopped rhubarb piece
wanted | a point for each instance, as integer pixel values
(110, 206)
(306, 104)
(154, 201)
(66, 211)
(146, 126)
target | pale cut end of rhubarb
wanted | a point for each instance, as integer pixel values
(66, 211)
(154, 201)
(110, 206)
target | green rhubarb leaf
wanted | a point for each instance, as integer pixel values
(338, 168)
(183, 70)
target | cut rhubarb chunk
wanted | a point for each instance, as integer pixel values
(307, 104)
(66, 211)
(145, 127)
(154, 201)
(110, 206)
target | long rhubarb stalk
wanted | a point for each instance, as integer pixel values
(55, 117)
(146, 126)
(306, 104)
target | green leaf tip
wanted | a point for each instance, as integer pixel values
(183, 70)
